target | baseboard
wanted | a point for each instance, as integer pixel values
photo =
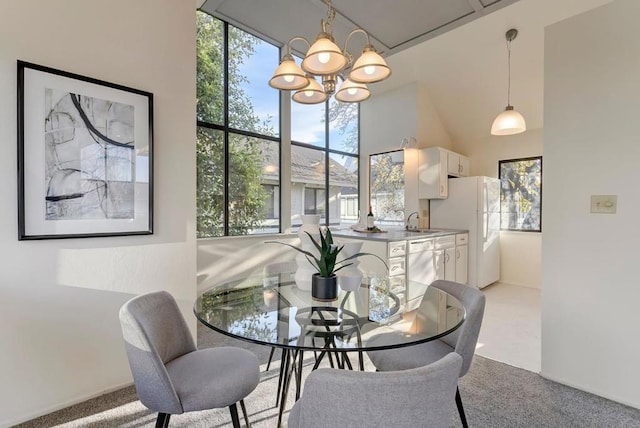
(55, 408)
(589, 390)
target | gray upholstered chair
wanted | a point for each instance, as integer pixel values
(462, 341)
(420, 397)
(171, 376)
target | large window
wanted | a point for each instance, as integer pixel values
(521, 194)
(238, 146)
(324, 162)
(238, 136)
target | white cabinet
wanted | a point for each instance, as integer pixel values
(445, 257)
(462, 258)
(435, 166)
(457, 165)
(432, 173)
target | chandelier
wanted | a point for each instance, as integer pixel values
(325, 60)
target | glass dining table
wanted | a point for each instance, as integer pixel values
(273, 311)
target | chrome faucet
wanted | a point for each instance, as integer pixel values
(407, 225)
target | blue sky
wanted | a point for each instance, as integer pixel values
(307, 120)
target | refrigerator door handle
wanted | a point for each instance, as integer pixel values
(486, 197)
(485, 215)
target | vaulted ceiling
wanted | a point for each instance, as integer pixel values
(456, 48)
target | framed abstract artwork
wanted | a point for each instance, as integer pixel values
(85, 156)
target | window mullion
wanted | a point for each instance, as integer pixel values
(326, 163)
(226, 128)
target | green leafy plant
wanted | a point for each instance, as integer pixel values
(326, 263)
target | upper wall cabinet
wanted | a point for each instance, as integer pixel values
(432, 174)
(457, 165)
(435, 166)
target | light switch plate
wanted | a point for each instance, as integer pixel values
(604, 204)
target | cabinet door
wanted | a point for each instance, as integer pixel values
(450, 264)
(464, 166)
(453, 164)
(462, 260)
(432, 174)
(443, 176)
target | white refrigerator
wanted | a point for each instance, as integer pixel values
(473, 204)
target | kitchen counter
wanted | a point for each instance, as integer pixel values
(395, 234)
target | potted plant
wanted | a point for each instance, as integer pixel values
(324, 284)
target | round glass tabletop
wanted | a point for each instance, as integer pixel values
(275, 312)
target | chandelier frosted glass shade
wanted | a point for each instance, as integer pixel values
(313, 93)
(324, 57)
(509, 122)
(288, 76)
(352, 92)
(370, 67)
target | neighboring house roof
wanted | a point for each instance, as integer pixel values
(307, 166)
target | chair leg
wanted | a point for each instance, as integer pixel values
(163, 420)
(234, 415)
(244, 412)
(463, 418)
(270, 357)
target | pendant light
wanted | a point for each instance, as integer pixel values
(510, 121)
(326, 60)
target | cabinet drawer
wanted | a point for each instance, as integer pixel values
(397, 249)
(396, 266)
(445, 241)
(462, 239)
(396, 284)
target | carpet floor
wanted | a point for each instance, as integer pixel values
(495, 395)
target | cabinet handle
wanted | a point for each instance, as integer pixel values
(441, 188)
(446, 257)
(457, 254)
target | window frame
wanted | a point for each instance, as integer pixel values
(530, 158)
(227, 130)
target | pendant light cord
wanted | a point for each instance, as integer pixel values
(508, 72)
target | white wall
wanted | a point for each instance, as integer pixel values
(59, 299)
(590, 288)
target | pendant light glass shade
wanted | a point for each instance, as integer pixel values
(324, 57)
(508, 122)
(288, 76)
(370, 67)
(313, 93)
(352, 92)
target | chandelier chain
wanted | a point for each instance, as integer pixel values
(331, 16)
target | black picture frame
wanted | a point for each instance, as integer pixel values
(85, 156)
